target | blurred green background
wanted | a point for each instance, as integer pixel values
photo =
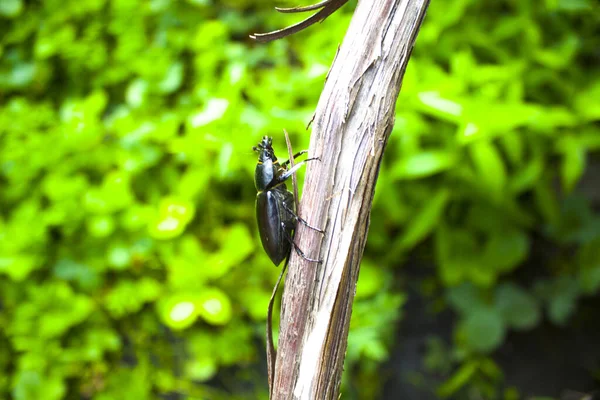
(130, 265)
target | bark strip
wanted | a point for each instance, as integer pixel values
(326, 8)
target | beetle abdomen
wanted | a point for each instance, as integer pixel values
(275, 223)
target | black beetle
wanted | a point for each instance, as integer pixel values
(275, 206)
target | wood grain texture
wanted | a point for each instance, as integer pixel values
(352, 124)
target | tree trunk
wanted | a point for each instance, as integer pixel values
(352, 124)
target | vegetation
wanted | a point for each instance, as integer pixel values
(130, 265)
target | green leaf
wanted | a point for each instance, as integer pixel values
(201, 369)
(100, 226)
(440, 107)
(129, 296)
(573, 162)
(173, 216)
(137, 93)
(455, 249)
(588, 102)
(255, 301)
(589, 266)
(18, 266)
(527, 176)
(483, 330)
(425, 220)
(519, 309)
(459, 379)
(460, 258)
(31, 384)
(214, 110)
(119, 256)
(69, 270)
(484, 120)
(489, 167)
(215, 307)
(513, 145)
(179, 311)
(423, 164)
(172, 79)
(561, 308)
(237, 245)
(465, 298)
(561, 294)
(575, 5)
(371, 280)
(506, 249)
(11, 8)
(546, 202)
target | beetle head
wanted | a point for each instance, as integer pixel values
(265, 150)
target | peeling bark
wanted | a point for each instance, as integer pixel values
(326, 8)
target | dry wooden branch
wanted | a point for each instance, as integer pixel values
(353, 121)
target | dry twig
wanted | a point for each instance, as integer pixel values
(353, 121)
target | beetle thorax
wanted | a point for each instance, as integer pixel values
(264, 174)
(266, 169)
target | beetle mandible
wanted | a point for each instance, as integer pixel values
(275, 206)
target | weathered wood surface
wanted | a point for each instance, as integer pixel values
(352, 124)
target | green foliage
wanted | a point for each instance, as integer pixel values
(485, 319)
(130, 265)
(129, 260)
(496, 125)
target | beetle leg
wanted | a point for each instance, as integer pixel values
(300, 252)
(295, 168)
(298, 154)
(300, 219)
